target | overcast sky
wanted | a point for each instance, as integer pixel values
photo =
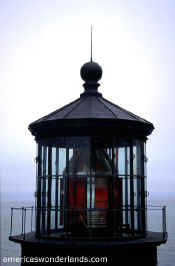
(43, 44)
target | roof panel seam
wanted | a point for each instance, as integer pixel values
(108, 108)
(126, 111)
(80, 102)
(54, 112)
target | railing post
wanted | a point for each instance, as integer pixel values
(164, 221)
(24, 222)
(31, 217)
(11, 223)
(23, 219)
(22, 209)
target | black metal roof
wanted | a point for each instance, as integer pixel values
(90, 107)
(90, 114)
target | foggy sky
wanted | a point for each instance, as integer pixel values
(43, 44)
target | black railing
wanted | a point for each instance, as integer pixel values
(162, 222)
(23, 211)
(96, 226)
(89, 223)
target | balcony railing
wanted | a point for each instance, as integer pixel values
(24, 215)
(156, 222)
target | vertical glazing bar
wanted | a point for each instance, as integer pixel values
(138, 173)
(44, 189)
(90, 191)
(131, 187)
(90, 199)
(36, 184)
(126, 186)
(56, 189)
(38, 189)
(66, 215)
(116, 160)
(86, 190)
(114, 212)
(92, 194)
(143, 194)
(49, 187)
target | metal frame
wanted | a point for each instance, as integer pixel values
(143, 196)
(124, 233)
(43, 193)
(56, 189)
(131, 186)
(129, 210)
(49, 187)
(38, 216)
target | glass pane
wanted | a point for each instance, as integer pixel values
(57, 162)
(128, 161)
(53, 193)
(79, 161)
(135, 181)
(42, 161)
(116, 160)
(46, 159)
(109, 152)
(77, 190)
(134, 161)
(121, 161)
(135, 220)
(145, 160)
(138, 158)
(90, 192)
(128, 182)
(101, 193)
(53, 161)
(101, 163)
(62, 161)
(44, 188)
(46, 191)
(38, 159)
(60, 213)
(52, 220)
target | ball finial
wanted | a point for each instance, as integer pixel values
(91, 72)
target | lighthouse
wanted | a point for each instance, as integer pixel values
(91, 195)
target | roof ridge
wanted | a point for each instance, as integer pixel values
(132, 114)
(107, 107)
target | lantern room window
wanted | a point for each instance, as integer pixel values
(90, 186)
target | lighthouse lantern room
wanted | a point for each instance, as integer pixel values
(91, 180)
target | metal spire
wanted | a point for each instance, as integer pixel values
(91, 43)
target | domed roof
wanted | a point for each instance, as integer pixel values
(91, 72)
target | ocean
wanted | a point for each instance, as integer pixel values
(166, 252)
